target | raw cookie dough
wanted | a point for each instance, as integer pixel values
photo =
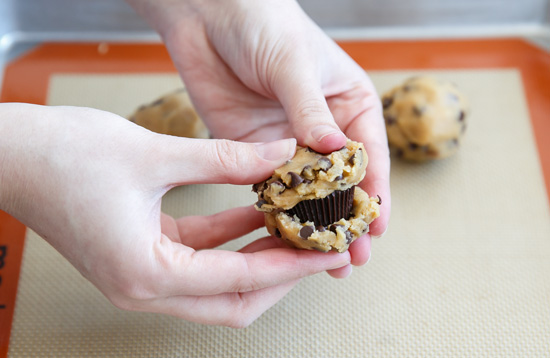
(171, 114)
(425, 118)
(311, 176)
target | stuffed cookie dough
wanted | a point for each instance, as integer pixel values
(312, 202)
(425, 118)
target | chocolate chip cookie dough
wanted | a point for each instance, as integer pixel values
(425, 118)
(312, 202)
(171, 114)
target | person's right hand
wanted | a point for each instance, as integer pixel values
(91, 183)
(263, 70)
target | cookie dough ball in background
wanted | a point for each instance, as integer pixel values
(171, 114)
(425, 118)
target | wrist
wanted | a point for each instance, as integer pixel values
(164, 15)
(11, 143)
(26, 141)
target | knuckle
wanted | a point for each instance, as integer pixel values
(241, 315)
(311, 108)
(121, 302)
(129, 291)
(227, 159)
(246, 282)
(239, 323)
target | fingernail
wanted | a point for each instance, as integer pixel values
(379, 236)
(368, 260)
(323, 131)
(280, 150)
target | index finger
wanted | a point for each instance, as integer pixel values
(369, 129)
(210, 272)
(359, 112)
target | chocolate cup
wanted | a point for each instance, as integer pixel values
(327, 210)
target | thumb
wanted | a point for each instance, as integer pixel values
(305, 105)
(209, 161)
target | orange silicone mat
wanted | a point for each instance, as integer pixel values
(463, 270)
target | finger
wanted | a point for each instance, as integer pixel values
(265, 243)
(169, 227)
(341, 272)
(202, 232)
(211, 272)
(368, 127)
(360, 250)
(180, 161)
(237, 310)
(272, 242)
(298, 88)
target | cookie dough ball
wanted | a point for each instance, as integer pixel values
(425, 118)
(171, 114)
(312, 202)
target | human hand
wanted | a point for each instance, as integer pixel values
(91, 183)
(262, 70)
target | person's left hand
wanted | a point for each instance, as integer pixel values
(91, 183)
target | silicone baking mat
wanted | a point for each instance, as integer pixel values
(464, 269)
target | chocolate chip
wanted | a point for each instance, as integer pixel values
(339, 177)
(295, 179)
(386, 102)
(260, 202)
(157, 102)
(306, 231)
(390, 120)
(312, 150)
(379, 200)
(461, 116)
(333, 227)
(307, 172)
(324, 163)
(321, 228)
(278, 187)
(400, 153)
(258, 186)
(356, 157)
(349, 237)
(413, 146)
(418, 111)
